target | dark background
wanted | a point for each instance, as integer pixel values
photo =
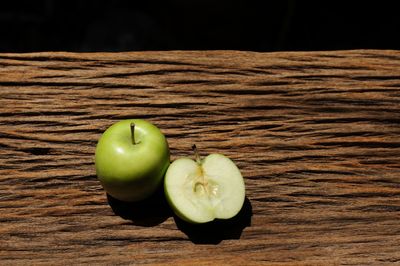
(86, 26)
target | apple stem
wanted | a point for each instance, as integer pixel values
(196, 154)
(203, 181)
(133, 133)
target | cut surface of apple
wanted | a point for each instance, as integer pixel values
(203, 190)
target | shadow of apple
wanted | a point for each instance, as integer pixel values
(149, 212)
(216, 231)
(155, 210)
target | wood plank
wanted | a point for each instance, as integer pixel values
(315, 134)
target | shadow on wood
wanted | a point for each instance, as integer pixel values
(149, 212)
(216, 231)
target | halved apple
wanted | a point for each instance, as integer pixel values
(203, 190)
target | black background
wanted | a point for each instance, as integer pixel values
(87, 26)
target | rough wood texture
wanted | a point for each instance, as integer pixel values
(315, 134)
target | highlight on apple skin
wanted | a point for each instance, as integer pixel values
(203, 190)
(131, 159)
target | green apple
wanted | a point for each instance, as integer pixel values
(131, 159)
(203, 190)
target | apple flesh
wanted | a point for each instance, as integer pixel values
(203, 190)
(131, 159)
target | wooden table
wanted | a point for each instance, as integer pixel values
(315, 134)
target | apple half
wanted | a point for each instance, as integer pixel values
(203, 190)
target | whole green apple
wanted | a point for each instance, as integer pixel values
(131, 159)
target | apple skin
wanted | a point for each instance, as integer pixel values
(127, 171)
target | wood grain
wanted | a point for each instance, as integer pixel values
(315, 134)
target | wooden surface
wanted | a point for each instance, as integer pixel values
(316, 136)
